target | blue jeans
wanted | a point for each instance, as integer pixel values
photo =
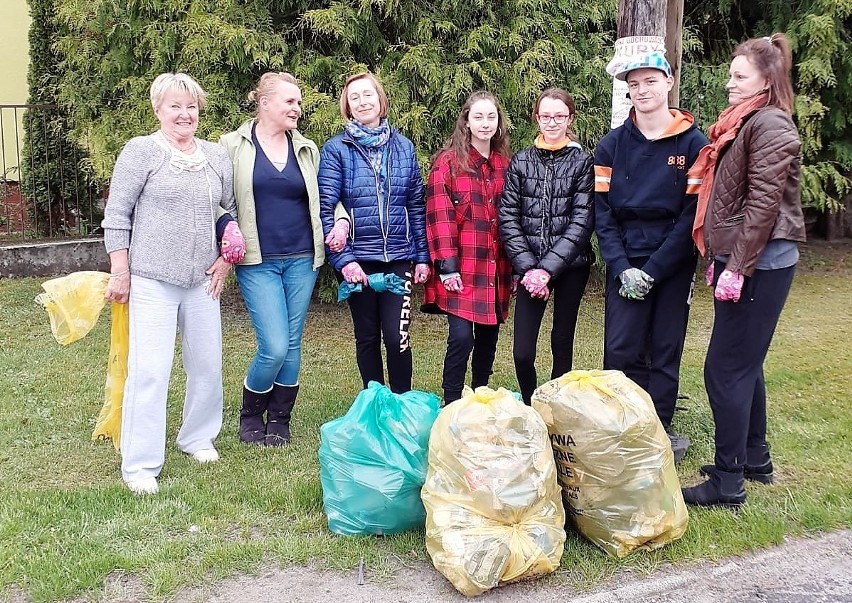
(277, 295)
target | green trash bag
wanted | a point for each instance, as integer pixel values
(373, 462)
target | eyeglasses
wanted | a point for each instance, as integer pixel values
(557, 119)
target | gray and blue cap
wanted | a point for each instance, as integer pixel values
(653, 60)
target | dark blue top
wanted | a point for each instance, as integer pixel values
(281, 206)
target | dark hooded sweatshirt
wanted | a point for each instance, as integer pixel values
(644, 206)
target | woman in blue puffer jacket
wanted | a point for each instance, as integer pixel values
(372, 170)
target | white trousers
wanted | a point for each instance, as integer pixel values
(156, 310)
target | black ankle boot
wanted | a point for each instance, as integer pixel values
(252, 427)
(281, 404)
(758, 465)
(722, 489)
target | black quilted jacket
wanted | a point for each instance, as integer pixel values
(547, 210)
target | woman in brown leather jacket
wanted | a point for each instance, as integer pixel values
(749, 223)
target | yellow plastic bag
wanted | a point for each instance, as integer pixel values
(493, 513)
(614, 460)
(108, 425)
(73, 303)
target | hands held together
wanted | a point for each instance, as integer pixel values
(535, 282)
(635, 284)
(353, 273)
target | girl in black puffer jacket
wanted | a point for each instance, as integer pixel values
(546, 222)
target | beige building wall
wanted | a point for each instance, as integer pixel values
(14, 60)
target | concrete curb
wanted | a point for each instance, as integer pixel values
(53, 258)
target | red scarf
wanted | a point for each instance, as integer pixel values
(721, 133)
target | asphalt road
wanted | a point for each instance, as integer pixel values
(802, 570)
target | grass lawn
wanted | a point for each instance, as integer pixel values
(67, 522)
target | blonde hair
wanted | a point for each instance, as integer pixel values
(346, 112)
(266, 84)
(176, 82)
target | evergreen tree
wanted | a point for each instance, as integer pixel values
(54, 174)
(431, 54)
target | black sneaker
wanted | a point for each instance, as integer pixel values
(679, 444)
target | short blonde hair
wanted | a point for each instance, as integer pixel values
(345, 112)
(267, 82)
(176, 82)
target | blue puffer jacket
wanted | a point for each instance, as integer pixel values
(391, 231)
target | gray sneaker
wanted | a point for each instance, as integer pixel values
(679, 446)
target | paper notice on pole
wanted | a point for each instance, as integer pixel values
(626, 50)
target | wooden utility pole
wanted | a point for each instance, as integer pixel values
(641, 18)
(663, 18)
(674, 46)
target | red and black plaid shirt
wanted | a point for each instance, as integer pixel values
(461, 228)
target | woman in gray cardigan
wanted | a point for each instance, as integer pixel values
(168, 191)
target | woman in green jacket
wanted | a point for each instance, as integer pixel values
(275, 184)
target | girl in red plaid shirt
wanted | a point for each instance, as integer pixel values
(472, 281)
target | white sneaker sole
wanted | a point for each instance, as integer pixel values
(207, 455)
(144, 486)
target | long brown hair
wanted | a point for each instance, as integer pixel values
(773, 58)
(459, 140)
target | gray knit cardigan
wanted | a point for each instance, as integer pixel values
(167, 220)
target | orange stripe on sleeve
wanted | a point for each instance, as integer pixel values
(693, 185)
(603, 175)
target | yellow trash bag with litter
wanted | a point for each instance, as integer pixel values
(493, 511)
(614, 460)
(74, 303)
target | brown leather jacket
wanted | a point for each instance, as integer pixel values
(755, 197)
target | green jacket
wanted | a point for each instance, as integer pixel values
(241, 150)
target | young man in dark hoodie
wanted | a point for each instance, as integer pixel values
(644, 209)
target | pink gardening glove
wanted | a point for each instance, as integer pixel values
(233, 244)
(353, 273)
(337, 236)
(708, 276)
(729, 286)
(535, 281)
(421, 273)
(453, 284)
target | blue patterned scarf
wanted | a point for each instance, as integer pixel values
(373, 140)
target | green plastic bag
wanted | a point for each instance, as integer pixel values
(373, 462)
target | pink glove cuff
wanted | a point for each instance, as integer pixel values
(353, 273)
(729, 286)
(233, 246)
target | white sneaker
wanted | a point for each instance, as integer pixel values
(206, 455)
(146, 485)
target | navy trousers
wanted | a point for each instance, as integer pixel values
(733, 369)
(644, 339)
